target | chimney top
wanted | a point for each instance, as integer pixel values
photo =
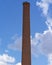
(26, 3)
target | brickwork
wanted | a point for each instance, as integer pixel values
(26, 47)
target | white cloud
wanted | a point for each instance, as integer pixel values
(50, 59)
(16, 43)
(43, 43)
(43, 6)
(46, 43)
(3, 63)
(49, 23)
(5, 59)
(18, 63)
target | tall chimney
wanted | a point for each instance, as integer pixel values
(26, 45)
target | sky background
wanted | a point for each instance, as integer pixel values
(11, 18)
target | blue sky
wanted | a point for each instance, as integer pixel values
(11, 18)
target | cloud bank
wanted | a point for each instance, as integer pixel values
(5, 59)
(46, 46)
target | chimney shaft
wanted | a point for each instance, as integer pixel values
(26, 46)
